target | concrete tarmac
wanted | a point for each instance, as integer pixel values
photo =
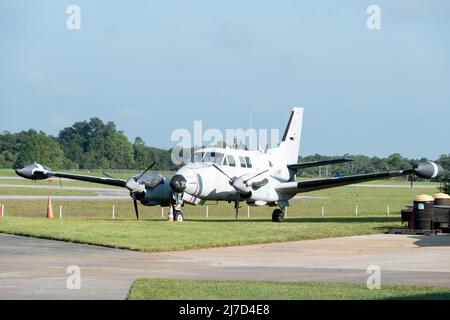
(33, 268)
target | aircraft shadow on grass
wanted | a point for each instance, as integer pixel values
(306, 220)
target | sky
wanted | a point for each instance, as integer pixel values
(156, 66)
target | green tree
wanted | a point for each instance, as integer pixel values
(93, 144)
(37, 146)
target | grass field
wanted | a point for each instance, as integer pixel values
(154, 235)
(90, 221)
(171, 289)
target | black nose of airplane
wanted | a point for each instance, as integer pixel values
(178, 183)
(26, 172)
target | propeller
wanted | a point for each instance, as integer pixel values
(145, 171)
(412, 178)
(135, 206)
(236, 203)
(107, 175)
(135, 188)
(239, 185)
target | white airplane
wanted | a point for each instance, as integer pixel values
(225, 174)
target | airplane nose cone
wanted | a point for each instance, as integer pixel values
(26, 172)
(178, 183)
(20, 172)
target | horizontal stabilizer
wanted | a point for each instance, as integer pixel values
(298, 166)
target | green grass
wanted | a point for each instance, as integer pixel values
(171, 289)
(159, 235)
(42, 192)
(90, 221)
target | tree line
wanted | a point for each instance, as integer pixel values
(89, 144)
(94, 144)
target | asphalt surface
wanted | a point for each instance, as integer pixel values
(33, 268)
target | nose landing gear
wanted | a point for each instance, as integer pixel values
(178, 216)
(177, 213)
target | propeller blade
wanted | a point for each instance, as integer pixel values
(107, 175)
(245, 181)
(140, 176)
(215, 166)
(236, 203)
(136, 207)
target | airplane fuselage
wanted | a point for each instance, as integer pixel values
(205, 182)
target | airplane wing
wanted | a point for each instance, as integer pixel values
(101, 180)
(317, 163)
(312, 185)
(38, 172)
(427, 170)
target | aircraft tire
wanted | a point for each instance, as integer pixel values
(178, 216)
(277, 215)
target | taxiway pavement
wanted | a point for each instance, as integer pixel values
(32, 268)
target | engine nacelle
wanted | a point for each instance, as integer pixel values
(35, 171)
(161, 195)
(428, 170)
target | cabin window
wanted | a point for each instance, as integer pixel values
(231, 161)
(249, 162)
(242, 161)
(225, 162)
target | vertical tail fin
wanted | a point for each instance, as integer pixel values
(290, 144)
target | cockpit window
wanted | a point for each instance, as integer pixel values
(213, 157)
(231, 161)
(242, 161)
(225, 161)
(249, 162)
(197, 157)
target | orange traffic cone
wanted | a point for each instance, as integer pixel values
(49, 208)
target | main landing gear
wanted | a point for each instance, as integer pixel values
(278, 215)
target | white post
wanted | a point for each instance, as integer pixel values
(60, 212)
(388, 209)
(356, 210)
(113, 211)
(323, 211)
(162, 212)
(248, 211)
(207, 211)
(286, 212)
